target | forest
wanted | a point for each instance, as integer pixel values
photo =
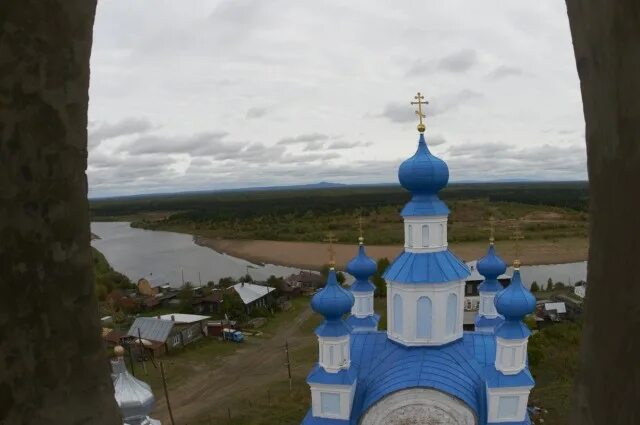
(547, 210)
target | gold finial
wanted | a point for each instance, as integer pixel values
(361, 237)
(517, 236)
(332, 253)
(118, 350)
(419, 97)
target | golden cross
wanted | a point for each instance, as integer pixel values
(332, 253)
(420, 101)
(517, 236)
(492, 229)
(361, 237)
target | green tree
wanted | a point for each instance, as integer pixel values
(378, 280)
(558, 285)
(550, 284)
(232, 305)
(185, 296)
(340, 277)
(534, 286)
(225, 282)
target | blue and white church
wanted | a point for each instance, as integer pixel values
(424, 369)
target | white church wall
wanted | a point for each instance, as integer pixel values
(425, 233)
(332, 401)
(507, 404)
(363, 304)
(403, 323)
(487, 307)
(511, 355)
(334, 354)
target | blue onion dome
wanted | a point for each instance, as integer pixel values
(423, 173)
(515, 301)
(491, 265)
(333, 301)
(361, 266)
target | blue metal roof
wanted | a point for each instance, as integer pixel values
(332, 328)
(385, 367)
(361, 266)
(320, 376)
(332, 301)
(427, 267)
(424, 175)
(515, 301)
(362, 286)
(462, 369)
(310, 420)
(512, 329)
(486, 322)
(358, 323)
(491, 265)
(496, 379)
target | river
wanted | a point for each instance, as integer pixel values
(163, 257)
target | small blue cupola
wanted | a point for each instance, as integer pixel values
(363, 317)
(514, 302)
(491, 266)
(424, 175)
(332, 302)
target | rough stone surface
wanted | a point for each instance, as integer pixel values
(419, 406)
(53, 369)
(606, 40)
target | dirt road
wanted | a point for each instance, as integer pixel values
(249, 368)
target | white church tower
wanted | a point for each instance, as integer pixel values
(425, 284)
(333, 379)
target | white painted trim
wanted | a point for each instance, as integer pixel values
(341, 353)
(437, 234)
(511, 355)
(493, 398)
(438, 293)
(346, 392)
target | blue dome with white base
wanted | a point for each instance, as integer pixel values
(333, 301)
(515, 301)
(424, 175)
(361, 266)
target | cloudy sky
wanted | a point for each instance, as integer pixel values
(190, 95)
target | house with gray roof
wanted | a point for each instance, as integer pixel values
(166, 333)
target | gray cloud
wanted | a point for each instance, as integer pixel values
(303, 138)
(399, 112)
(504, 71)
(97, 133)
(256, 112)
(347, 145)
(458, 62)
(199, 144)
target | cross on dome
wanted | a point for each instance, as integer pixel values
(361, 234)
(332, 253)
(517, 236)
(420, 101)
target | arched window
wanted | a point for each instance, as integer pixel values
(397, 314)
(423, 330)
(452, 314)
(332, 359)
(425, 235)
(410, 236)
(442, 230)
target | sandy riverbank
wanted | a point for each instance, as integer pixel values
(310, 255)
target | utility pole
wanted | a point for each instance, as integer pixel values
(286, 350)
(182, 272)
(166, 393)
(144, 366)
(199, 279)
